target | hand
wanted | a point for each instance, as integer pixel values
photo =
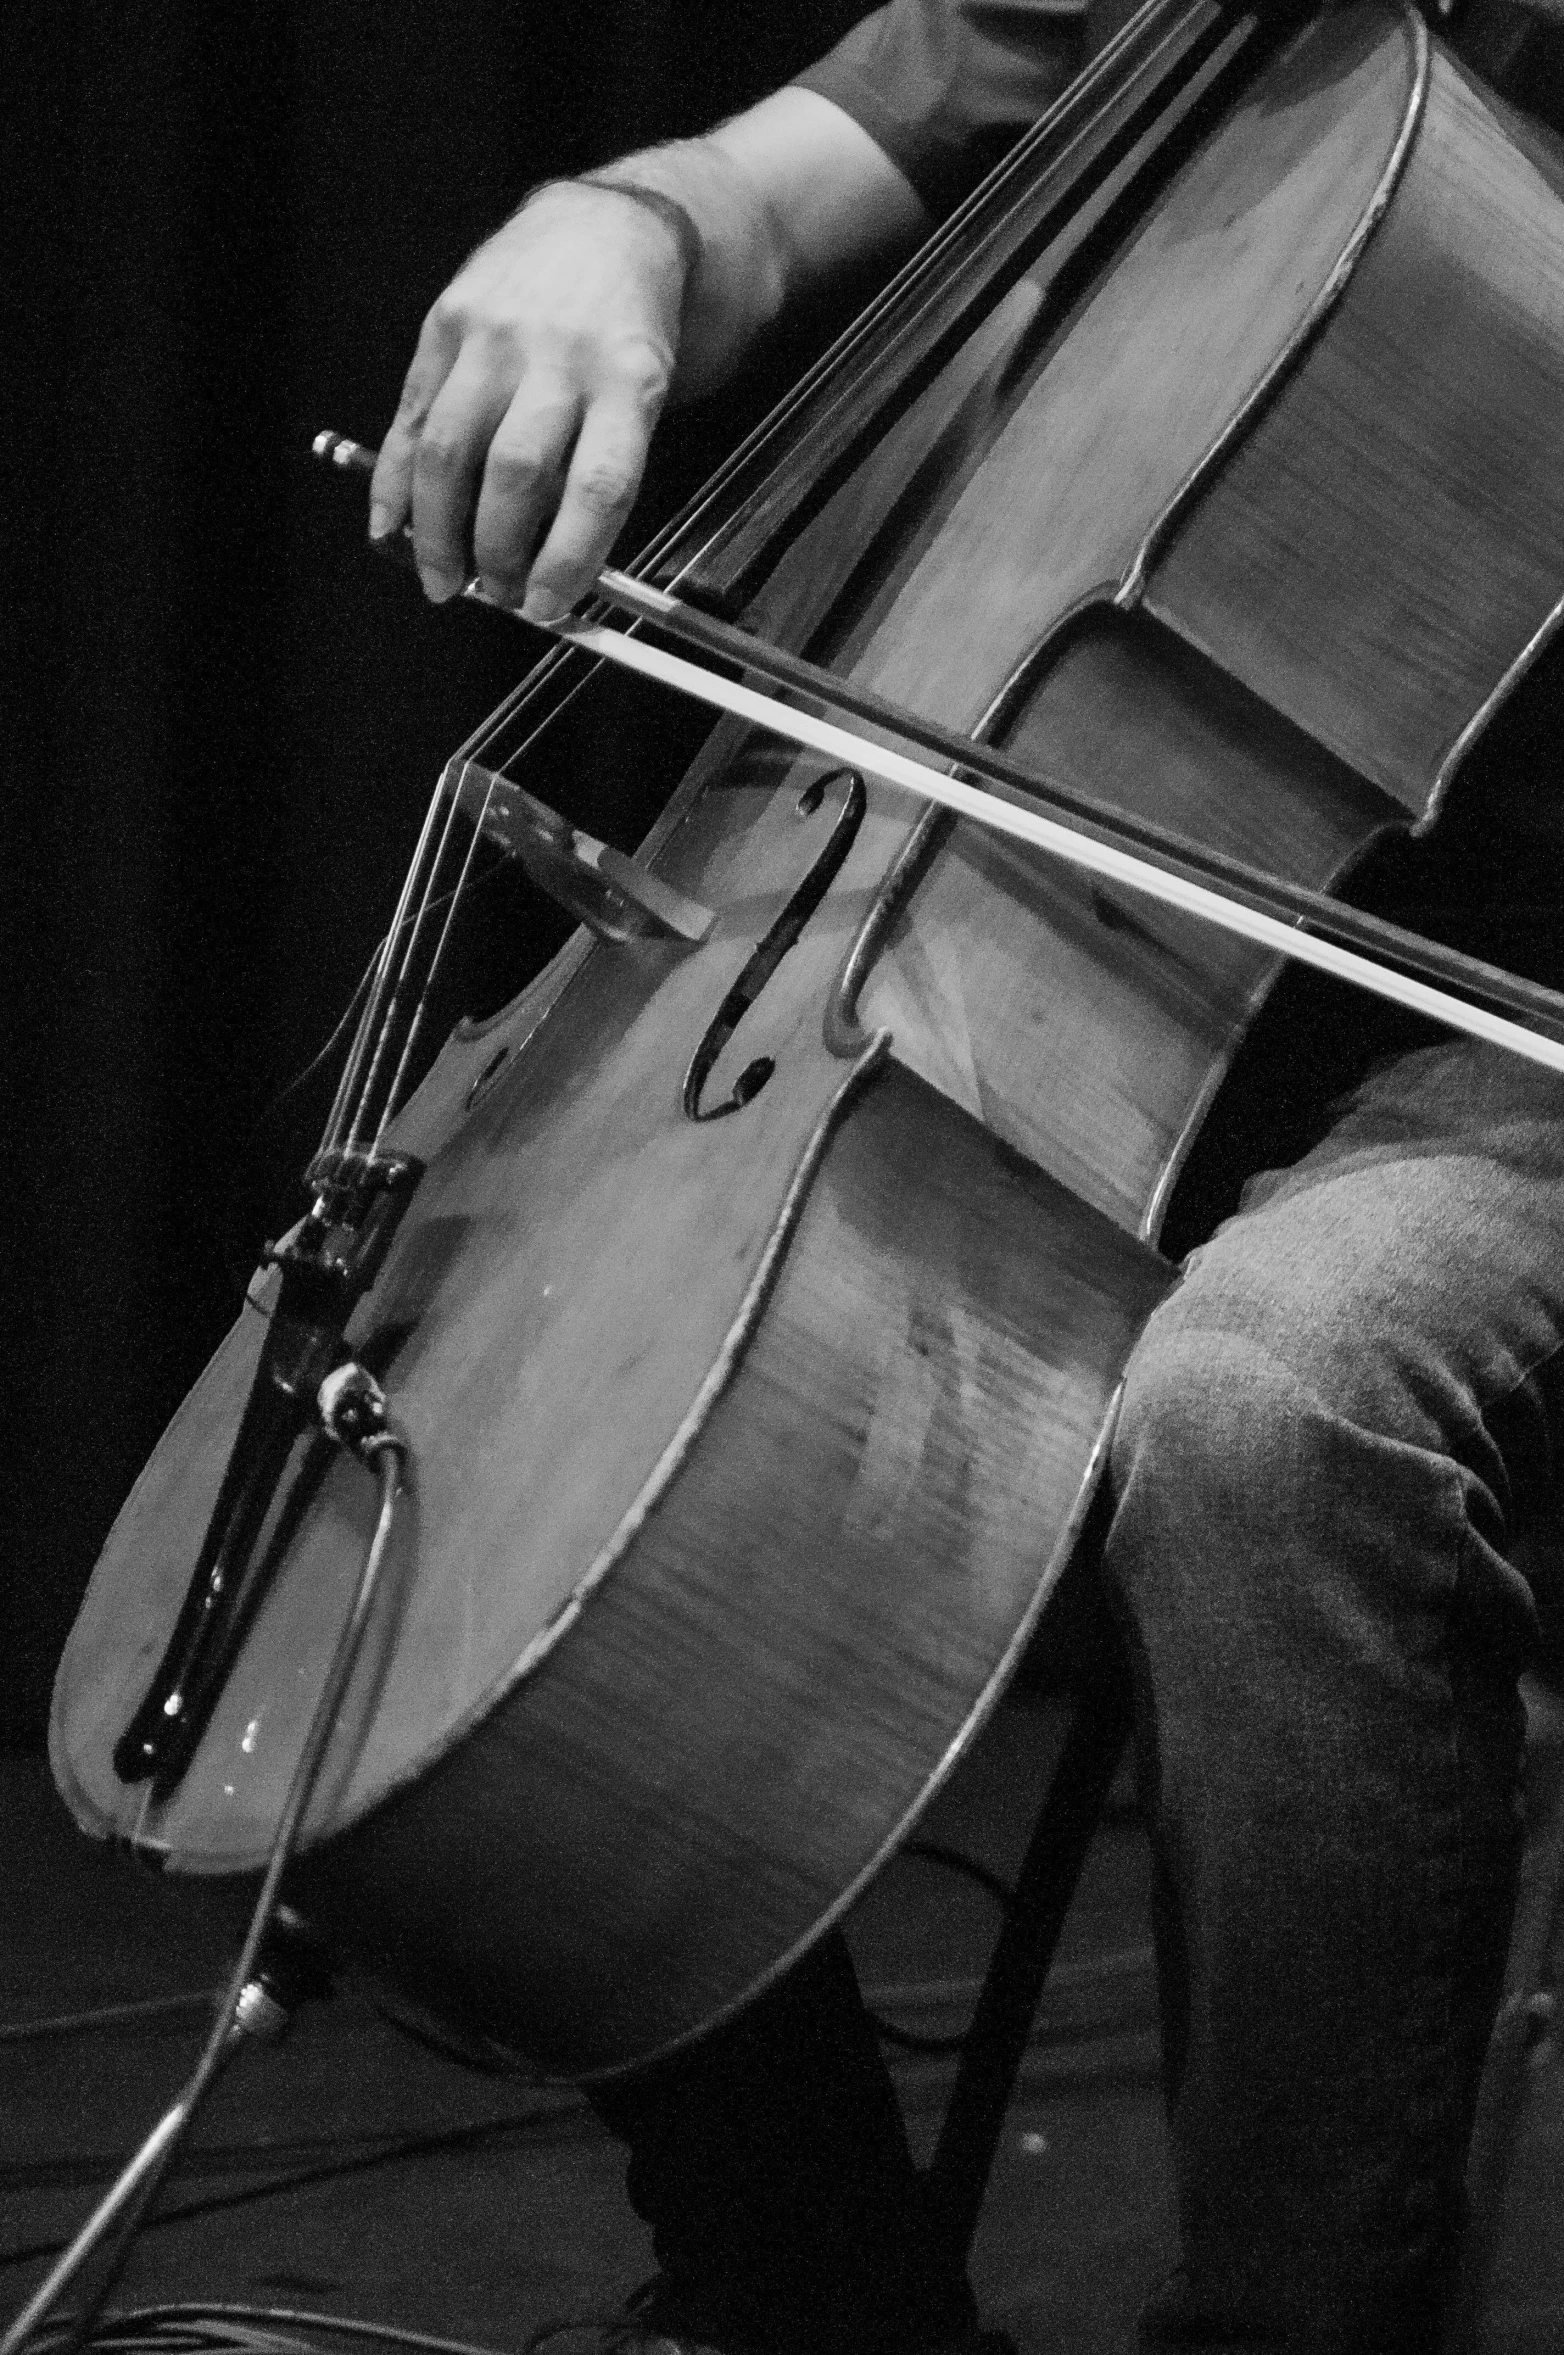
(522, 431)
(540, 373)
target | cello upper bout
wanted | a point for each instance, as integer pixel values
(1140, 379)
(848, 1361)
(1088, 1035)
(1382, 556)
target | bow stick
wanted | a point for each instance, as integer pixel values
(1265, 909)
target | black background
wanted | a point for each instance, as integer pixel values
(221, 718)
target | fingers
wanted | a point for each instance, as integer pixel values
(427, 470)
(391, 486)
(524, 421)
(599, 490)
(448, 463)
(485, 472)
(526, 466)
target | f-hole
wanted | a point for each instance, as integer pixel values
(487, 1077)
(770, 951)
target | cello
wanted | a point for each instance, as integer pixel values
(752, 1292)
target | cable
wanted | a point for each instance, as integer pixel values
(478, 2055)
(485, 2134)
(108, 2015)
(252, 2330)
(215, 2162)
(971, 1868)
(119, 2212)
(954, 1860)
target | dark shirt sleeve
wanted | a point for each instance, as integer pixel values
(945, 86)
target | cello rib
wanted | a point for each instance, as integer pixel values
(744, 1450)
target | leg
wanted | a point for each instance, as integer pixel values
(772, 2164)
(1328, 1437)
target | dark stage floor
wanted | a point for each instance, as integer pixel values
(352, 2171)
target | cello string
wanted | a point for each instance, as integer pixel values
(375, 1045)
(977, 758)
(587, 673)
(453, 898)
(352, 1114)
(350, 1014)
(391, 1011)
(903, 286)
(374, 1004)
(381, 1017)
(375, 1037)
(1081, 850)
(393, 997)
(910, 290)
(349, 1010)
(833, 361)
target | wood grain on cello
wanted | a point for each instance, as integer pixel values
(745, 1450)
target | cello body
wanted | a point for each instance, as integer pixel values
(757, 1352)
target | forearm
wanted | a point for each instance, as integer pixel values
(785, 198)
(524, 420)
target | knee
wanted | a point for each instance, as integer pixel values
(1260, 1473)
(1212, 1411)
(1267, 1373)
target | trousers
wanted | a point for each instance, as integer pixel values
(1331, 1435)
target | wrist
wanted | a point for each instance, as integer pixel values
(738, 260)
(675, 217)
